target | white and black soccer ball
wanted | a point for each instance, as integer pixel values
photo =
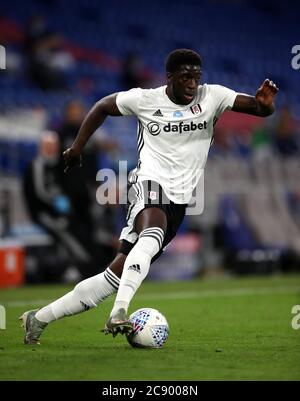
(150, 329)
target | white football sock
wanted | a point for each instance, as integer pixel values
(137, 265)
(86, 295)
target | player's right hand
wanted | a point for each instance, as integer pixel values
(72, 158)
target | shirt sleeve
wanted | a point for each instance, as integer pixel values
(223, 97)
(128, 102)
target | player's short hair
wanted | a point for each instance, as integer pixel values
(179, 57)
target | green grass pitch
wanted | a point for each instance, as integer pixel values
(220, 329)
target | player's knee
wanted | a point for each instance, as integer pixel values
(151, 217)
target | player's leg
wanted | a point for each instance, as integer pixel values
(150, 225)
(86, 295)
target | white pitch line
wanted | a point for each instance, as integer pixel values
(232, 292)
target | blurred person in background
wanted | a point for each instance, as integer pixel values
(73, 116)
(286, 133)
(99, 146)
(48, 61)
(134, 74)
(261, 143)
(81, 184)
(57, 210)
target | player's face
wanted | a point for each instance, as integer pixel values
(183, 84)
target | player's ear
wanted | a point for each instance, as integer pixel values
(169, 77)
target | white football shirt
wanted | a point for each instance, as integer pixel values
(173, 140)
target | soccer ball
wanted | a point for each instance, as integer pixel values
(150, 329)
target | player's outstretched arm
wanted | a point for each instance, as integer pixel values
(262, 104)
(95, 117)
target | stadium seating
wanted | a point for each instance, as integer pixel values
(102, 37)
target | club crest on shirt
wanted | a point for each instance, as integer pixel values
(196, 109)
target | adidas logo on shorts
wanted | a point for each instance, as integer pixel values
(135, 268)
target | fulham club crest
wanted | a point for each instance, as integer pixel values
(196, 109)
(152, 195)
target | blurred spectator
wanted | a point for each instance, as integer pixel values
(48, 62)
(97, 148)
(80, 184)
(134, 74)
(285, 139)
(51, 207)
(261, 143)
(293, 199)
(73, 116)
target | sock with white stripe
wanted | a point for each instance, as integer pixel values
(137, 265)
(86, 295)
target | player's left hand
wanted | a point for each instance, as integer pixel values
(266, 93)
